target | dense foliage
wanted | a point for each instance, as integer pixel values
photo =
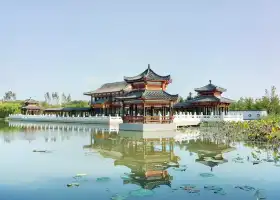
(8, 96)
(265, 130)
(9, 108)
(270, 102)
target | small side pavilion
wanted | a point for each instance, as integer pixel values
(208, 101)
(31, 107)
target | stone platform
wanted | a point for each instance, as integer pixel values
(147, 127)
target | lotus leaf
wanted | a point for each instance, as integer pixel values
(73, 184)
(119, 197)
(206, 175)
(245, 188)
(103, 179)
(181, 169)
(126, 177)
(141, 192)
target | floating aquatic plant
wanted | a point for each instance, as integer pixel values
(245, 188)
(171, 164)
(119, 197)
(79, 175)
(206, 175)
(125, 177)
(128, 174)
(221, 192)
(73, 184)
(42, 151)
(256, 162)
(187, 186)
(181, 169)
(237, 161)
(254, 130)
(215, 189)
(190, 188)
(103, 179)
(141, 192)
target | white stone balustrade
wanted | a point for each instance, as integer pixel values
(187, 119)
(53, 118)
(181, 119)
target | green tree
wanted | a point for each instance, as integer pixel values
(180, 99)
(270, 102)
(63, 98)
(274, 101)
(9, 108)
(249, 103)
(68, 98)
(76, 103)
(189, 97)
(9, 96)
(47, 98)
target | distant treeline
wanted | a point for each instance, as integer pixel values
(9, 104)
(269, 102)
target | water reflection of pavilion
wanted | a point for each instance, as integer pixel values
(210, 153)
(146, 154)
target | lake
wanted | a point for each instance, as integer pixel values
(76, 162)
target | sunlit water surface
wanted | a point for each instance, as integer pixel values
(113, 166)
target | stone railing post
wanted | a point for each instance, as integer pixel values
(222, 116)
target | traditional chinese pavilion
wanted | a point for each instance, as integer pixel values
(148, 102)
(208, 100)
(31, 107)
(103, 100)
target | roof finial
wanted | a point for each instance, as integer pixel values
(210, 82)
(149, 66)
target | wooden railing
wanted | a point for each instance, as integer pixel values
(147, 119)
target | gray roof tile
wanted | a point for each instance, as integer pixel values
(210, 87)
(201, 99)
(148, 75)
(149, 95)
(31, 107)
(68, 109)
(30, 101)
(111, 87)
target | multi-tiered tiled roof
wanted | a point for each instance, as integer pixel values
(147, 75)
(150, 95)
(210, 88)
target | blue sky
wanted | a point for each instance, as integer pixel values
(73, 46)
